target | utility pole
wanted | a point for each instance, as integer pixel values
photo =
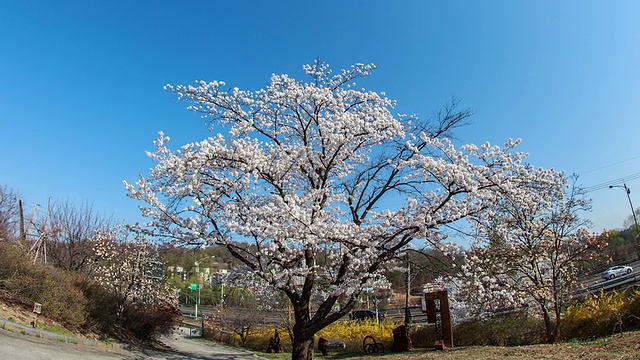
(633, 212)
(407, 309)
(22, 232)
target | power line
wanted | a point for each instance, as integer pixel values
(605, 185)
(610, 165)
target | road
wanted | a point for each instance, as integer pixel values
(595, 278)
(15, 345)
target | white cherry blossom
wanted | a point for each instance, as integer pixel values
(298, 179)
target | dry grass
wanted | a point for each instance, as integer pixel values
(624, 346)
(15, 314)
(24, 317)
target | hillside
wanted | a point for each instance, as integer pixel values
(24, 317)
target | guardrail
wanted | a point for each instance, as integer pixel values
(608, 285)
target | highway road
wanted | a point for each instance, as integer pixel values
(594, 283)
(595, 278)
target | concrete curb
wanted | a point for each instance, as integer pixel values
(27, 330)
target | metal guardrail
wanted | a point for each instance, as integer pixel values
(608, 285)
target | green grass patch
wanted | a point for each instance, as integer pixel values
(54, 329)
(272, 356)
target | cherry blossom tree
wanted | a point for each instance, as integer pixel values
(301, 170)
(526, 254)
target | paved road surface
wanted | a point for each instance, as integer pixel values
(14, 345)
(196, 348)
(595, 278)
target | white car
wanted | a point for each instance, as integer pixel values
(614, 271)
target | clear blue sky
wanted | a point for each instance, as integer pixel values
(82, 99)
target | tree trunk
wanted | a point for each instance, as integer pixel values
(549, 326)
(557, 322)
(302, 337)
(302, 348)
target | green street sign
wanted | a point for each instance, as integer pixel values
(193, 286)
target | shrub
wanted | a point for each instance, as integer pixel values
(77, 302)
(27, 283)
(256, 336)
(136, 322)
(60, 297)
(601, 315)
(503, 331)
(631, 316)
(11, 259)
(513, 330)
(101, 309)
(424, 336)
(352, 333)
(259, 338)
(141, 322)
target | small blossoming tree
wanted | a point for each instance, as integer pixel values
(526, 254)
(299, 171)
(128, 270)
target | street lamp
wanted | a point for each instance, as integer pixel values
(223, 276)
(197, 264)
(633, 212)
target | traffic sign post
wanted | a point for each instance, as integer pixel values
(194, 287)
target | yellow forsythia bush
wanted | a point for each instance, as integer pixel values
(259, 338)
(352, 333)
(599, 315)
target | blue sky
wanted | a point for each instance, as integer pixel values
(82, 99)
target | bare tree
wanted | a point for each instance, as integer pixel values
(242, 322)
(69, 232)
(9, 213)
